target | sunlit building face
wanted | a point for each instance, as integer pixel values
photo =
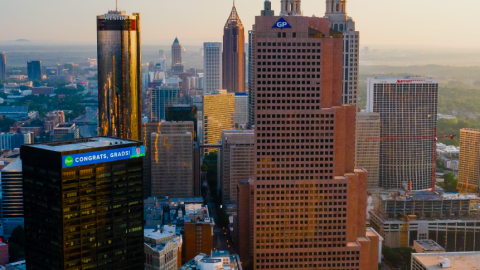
(119, 69)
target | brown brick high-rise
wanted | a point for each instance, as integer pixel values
(309, 202)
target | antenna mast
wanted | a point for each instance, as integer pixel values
(116, 5)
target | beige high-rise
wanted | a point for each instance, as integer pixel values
(237, 158)
(168, 162)
(469, 163)
(218, 115)
(367, 146)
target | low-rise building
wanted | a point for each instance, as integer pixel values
(451, 220)
(188, 217)
(65, 131)
(42, 90)
(446, 260)
(3, 253)
(218, 260)
(161, 249)
(14, 112)
(427, 246)
(53, 119)
(198, 230)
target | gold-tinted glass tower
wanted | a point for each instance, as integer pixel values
(119, 81)
(469, 162)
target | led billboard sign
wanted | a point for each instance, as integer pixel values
(90, 158)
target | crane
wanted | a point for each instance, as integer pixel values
(434, 137)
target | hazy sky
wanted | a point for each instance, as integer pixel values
(439, 23)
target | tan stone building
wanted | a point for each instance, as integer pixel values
(469, 162)
(367, 146)
(161, 250)
(236, 161)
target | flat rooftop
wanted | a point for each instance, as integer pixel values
(81, 144)
(14, 166)
(429, 245)
(427, 195)
(155, 234)
(458, 260)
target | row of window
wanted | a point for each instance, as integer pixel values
(289, 44)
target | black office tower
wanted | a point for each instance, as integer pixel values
(83, 204)
(34, 69)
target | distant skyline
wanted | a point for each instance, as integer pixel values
(394, 23)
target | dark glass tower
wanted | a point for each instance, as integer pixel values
(119, 80)
(233, 78)
(34, 69)
(83, 204)
(3, 63)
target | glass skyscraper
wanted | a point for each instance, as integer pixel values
(34, 69)
(3, 63)
(119, 70)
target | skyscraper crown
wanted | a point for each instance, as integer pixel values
(234, 19)
(176, 40)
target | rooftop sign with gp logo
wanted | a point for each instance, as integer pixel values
(282, 23)
(102, 156)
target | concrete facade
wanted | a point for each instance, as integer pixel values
(212, 66)
(336, 11)
(237, 158)
(367, 146)
(408, 120)
(161, 250)
(168, 161)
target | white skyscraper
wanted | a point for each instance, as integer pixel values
(212, 66)
(408, 118)
(336, 11)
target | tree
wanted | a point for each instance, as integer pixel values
(15, 252)
(450, 182)
(16, 244)
(18, 236)
(6, 123)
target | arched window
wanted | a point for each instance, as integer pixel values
(332, 6)
(343, 9)
(296, 5)
(338, 7)
(335, 27)
(291, 7)
(341, 28)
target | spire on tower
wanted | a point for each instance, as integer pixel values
(116, 5)
(234, 18)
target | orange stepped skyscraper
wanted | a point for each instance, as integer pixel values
(233, 54)
(307, 202)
